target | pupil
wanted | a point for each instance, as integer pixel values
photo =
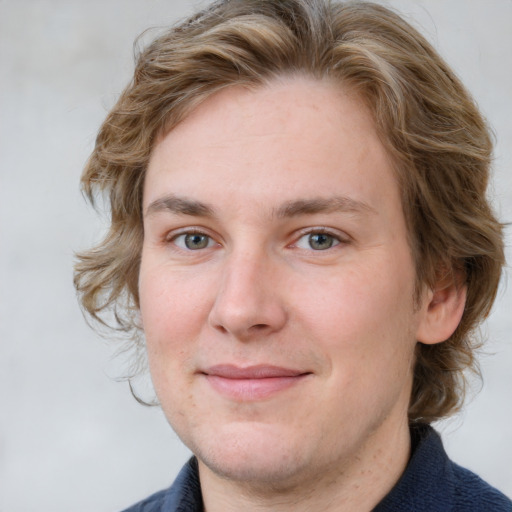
(320, 241)
(196, 241)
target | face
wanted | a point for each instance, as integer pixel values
(276, 282)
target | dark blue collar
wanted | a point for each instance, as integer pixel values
(426, 482)
(432, 482)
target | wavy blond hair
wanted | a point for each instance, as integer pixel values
(431, 127)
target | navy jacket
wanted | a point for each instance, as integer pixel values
(430, 483)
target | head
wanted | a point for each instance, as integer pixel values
(433, 134)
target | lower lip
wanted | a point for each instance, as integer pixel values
(248, 390)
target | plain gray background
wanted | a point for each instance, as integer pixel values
(70, 437)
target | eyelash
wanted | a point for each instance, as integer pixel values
(335, 239)
(190, 232)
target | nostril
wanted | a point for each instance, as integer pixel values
(259, 327)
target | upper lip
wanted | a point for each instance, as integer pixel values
(229, 371)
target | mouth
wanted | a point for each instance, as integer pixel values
(252, 383)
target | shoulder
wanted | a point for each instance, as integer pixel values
(433, 482)
(153, 503)
(471, 493)
(184, 495)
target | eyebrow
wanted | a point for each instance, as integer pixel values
(184, 206)
(180, 206)
(323, 205)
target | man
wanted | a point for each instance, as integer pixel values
(300, 231)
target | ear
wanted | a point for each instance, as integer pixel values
(441, 311)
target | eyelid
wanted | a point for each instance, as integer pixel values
(171, 236)
(189, 230)
(341, 237)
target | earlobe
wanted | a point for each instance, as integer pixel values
(441, 312)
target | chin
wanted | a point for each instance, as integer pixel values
(255, 454)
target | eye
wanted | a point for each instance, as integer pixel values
(318, 241)
(193, 241)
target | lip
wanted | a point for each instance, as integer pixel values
(252, 383)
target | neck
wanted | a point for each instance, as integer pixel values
(358, 484)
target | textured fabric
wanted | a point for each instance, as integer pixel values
(184, 495)
(430, 483)
(433, 483)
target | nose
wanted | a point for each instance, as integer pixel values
(249, 302)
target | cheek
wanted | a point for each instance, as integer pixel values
(365, 316)
(173, 311)
(167, 323)
(171, 299)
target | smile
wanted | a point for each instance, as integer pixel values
(252, 383)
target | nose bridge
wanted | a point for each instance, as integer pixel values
(248, 299)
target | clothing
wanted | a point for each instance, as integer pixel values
(430, 483)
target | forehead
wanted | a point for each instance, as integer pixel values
(289, 134)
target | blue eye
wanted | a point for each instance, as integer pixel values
(318, 241)
(193, 241)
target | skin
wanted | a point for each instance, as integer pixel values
(274, 236)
